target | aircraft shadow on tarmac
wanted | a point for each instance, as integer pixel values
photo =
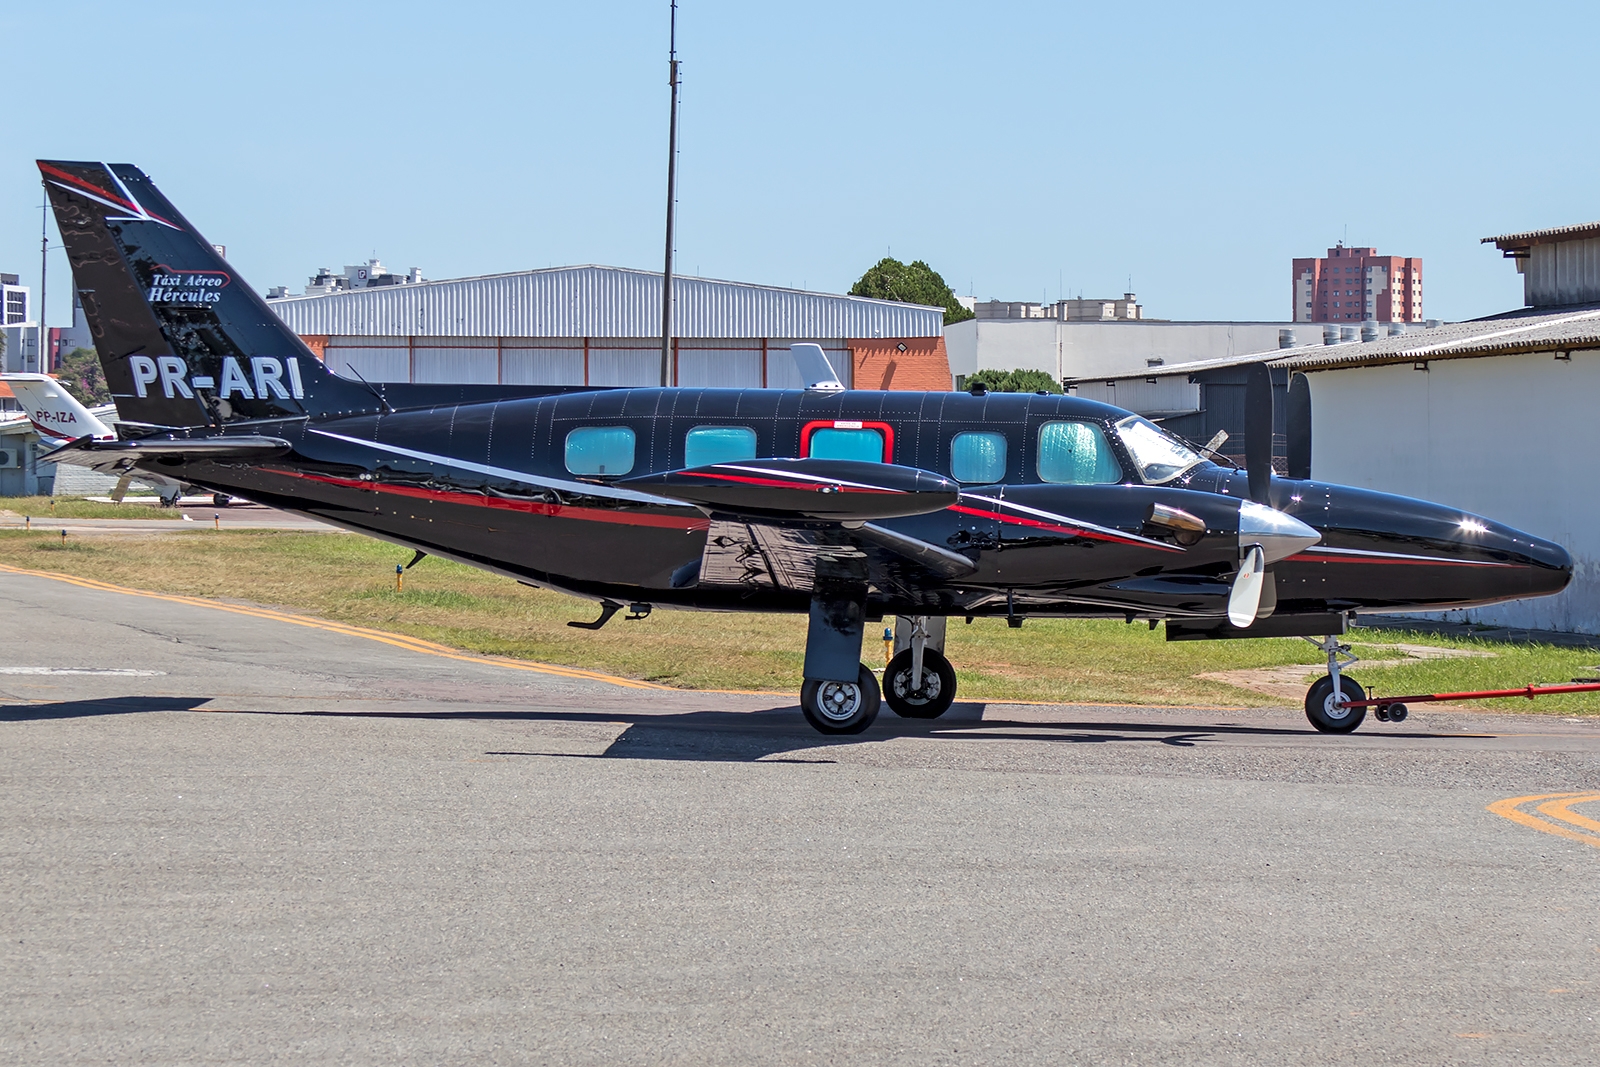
(733, 736)
(724, 736)
(747, 736)
(78, 709)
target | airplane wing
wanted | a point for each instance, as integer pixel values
(771, 518)
(54, 412)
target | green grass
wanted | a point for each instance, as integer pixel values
(44, 508)
(351, 579)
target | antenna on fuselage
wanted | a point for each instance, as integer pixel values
(815, 370)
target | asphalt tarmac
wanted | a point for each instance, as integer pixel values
(229, 835)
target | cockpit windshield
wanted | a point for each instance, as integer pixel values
(1160, 456)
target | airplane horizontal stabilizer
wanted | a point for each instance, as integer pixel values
(813, 490)
(121, 455)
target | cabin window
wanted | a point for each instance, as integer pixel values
(1076, 453)
(603, 450)
(834, 443)
(978, 456)
(705, 445)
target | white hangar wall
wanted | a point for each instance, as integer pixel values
(1095, 349)
(1511, 438)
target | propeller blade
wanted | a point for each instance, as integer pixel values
(1245, 598)
(1258, 430)
(1269, 594)
(1297, 417)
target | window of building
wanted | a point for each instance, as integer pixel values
(705, 445)
(1076, 453)
(832, 442)
(604, 450)
(978, 456)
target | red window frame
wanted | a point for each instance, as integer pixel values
(847, 424)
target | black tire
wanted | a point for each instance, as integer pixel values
(1320, 709)
(841, 707)
(220, 500)
(938, 686)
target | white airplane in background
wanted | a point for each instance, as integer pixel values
(60, 417)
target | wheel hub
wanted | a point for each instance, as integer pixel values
(926, 695)
(1332, 707)
(839, 701)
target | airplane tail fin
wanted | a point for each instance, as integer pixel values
(183, 340)
(54, 412)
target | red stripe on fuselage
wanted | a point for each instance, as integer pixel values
(526, 507)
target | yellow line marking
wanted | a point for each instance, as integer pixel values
(1510, 808)
(1562, 809)
(410, 644)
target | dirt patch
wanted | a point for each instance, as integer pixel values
(1289, 683)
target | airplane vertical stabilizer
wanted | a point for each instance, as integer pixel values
(183, 340)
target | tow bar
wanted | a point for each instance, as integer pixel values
(1393, 709)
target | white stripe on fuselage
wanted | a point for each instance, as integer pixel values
(583, 488)
(1369, 553)
(1065, 520)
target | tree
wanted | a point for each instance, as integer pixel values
(1014, 381)
(79, 371)
(914, 283)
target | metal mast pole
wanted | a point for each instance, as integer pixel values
(44, 263)
(672, 192)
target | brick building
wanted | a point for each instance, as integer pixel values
(1357, 285)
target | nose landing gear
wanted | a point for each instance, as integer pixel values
(1327, 701)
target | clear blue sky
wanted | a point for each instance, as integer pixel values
(1020, 148)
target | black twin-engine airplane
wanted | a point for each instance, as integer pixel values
(849, 505)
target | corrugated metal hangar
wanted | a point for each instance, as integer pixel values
(1494, 416)
(594, 325)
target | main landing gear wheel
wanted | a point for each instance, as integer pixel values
(1328, 717)
(937, 692)
(841, 707)
(220, 500)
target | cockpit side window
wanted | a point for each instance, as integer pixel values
(1076, 453)
(1159, 456)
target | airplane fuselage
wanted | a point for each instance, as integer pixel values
(488, 483)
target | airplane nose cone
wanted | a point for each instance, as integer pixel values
(1280, 536)
(1553, 565)
(1538, 567)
